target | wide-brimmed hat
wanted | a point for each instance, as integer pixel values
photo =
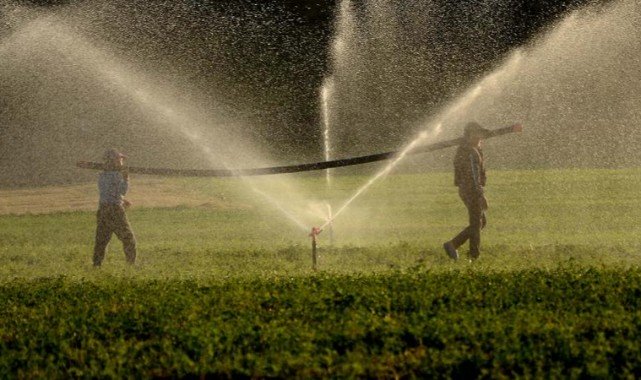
(474, 128)
(112, 154)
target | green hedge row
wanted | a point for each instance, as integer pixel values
(565, 323)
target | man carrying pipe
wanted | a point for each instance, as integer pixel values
(469, 176)
(113, 184)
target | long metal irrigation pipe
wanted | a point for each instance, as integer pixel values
(294, 168)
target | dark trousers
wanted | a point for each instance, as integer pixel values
(113, 220)
(477, 221)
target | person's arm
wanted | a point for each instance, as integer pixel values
(476, 176)
(478, 183)
(124, 187)
(124, 184)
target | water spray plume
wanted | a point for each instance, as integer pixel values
(338, 46)
(328, 220)
(329, 211)
(82, 52)
(291, 217)
(449, 113)
(325, 97)
(422, 136)
(344, 25)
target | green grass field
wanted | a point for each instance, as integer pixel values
(225, 286)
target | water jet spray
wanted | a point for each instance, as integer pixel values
(112, 73)
(325, 95)
(330, 228)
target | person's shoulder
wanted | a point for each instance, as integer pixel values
(463, 149)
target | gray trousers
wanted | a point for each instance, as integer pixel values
(111, 220)
(477, 221)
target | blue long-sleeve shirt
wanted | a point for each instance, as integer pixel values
(112, 187)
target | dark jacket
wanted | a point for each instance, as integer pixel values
(469, 171)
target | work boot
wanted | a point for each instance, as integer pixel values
(474, 255)
(450, 250)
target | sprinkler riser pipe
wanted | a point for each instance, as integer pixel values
(314, 255)
(313, 234)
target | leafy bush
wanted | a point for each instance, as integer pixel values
(564, 322)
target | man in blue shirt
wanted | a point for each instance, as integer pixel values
(113, 184)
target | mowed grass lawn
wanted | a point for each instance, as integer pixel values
(224, 287)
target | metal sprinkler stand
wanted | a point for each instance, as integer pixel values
(315, 232)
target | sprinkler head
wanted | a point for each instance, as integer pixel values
(315, 232)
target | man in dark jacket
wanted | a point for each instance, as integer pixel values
(113, 184)
(469, 176)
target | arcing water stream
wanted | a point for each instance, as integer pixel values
(569, 85)
(452, 113)
(326, 92)
(166, 111)
(580, 79)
